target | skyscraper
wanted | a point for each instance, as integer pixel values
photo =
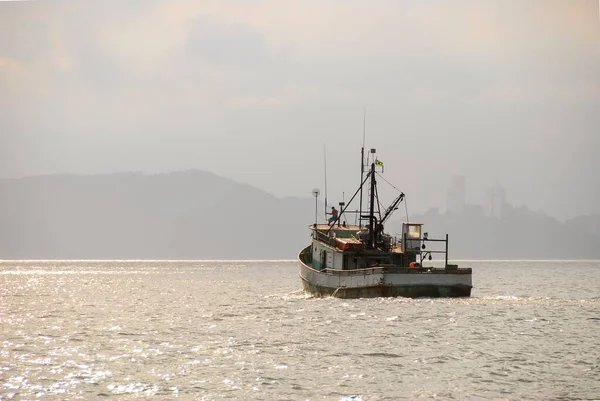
(495, 201)
(457, 194)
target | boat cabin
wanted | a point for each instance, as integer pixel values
(345, 247)
(411, 236)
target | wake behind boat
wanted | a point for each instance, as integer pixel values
(356, 261)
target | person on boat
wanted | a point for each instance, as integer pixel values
(334, 215)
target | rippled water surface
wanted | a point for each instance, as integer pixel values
(244, 331)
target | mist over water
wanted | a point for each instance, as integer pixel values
(244, 330)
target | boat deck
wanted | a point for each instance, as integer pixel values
(325, 227)
(345, 237)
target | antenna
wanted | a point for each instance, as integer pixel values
(316, 193)
(325, 159)
(364, 124)
(362, 162)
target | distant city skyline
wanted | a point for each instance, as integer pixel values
(124, 216)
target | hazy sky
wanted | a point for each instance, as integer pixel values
(505, 90)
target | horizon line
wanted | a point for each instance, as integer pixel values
(274, 260)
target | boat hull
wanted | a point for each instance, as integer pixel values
(418, 291)
(386, 282)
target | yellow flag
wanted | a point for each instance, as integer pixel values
(378, 162)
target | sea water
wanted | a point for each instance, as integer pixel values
(213, 330)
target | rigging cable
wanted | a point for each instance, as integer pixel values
(392, 185)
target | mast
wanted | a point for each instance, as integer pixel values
(362, 173)
(372, 209)
(325, 162)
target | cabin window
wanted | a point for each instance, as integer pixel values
(414, 231)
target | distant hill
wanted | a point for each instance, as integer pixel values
(180, 215)
(199, 215)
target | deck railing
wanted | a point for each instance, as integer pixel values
(424, 253)
(390, 270)
(427, 253)
(321, 236)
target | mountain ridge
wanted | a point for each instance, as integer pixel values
(196, 214)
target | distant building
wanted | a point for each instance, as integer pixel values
(495, 201)
(457, 194)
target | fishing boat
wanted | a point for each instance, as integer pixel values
(362, 260)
